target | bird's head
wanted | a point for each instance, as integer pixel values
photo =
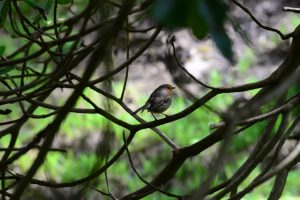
(169, 88)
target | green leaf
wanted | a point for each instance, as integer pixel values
(223, 43)
(196, 22)
(2, 49)
(4, 5)
(48, 6)
(4, 70)
(63, 1)
(171, 13)
(201, 16)
(38, 7)
(214, 14)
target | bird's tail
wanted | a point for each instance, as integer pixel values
(139, 109)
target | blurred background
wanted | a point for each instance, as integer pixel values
(83, 138)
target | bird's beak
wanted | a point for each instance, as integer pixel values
(173, 88)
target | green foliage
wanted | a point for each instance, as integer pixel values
(295, 21)
(37, 6)
(201, 16)
(292, 92)
(70, 167)
(291, 191)
(215, 78)
(214, 14)
(63, 1)
(45, 10)
(284, 27)
(246, 60)
(2, 49)
(197, 23)
(5, 140)
(83, 164)
(171, 13)
(247, 138)
(251, 80)
(5, 70)
(188, 177)
(4, 5)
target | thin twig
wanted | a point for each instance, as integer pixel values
(140, 177)
(282, 36)
(127, 57)
(291, 9)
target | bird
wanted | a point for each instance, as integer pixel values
(159, 101)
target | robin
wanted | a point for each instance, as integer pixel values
(159, 101)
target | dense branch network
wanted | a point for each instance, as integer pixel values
(44, 64)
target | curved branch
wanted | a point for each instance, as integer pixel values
(282, 36)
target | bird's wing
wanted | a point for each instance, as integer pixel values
(156, 102)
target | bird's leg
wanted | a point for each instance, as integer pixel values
(153, 116)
